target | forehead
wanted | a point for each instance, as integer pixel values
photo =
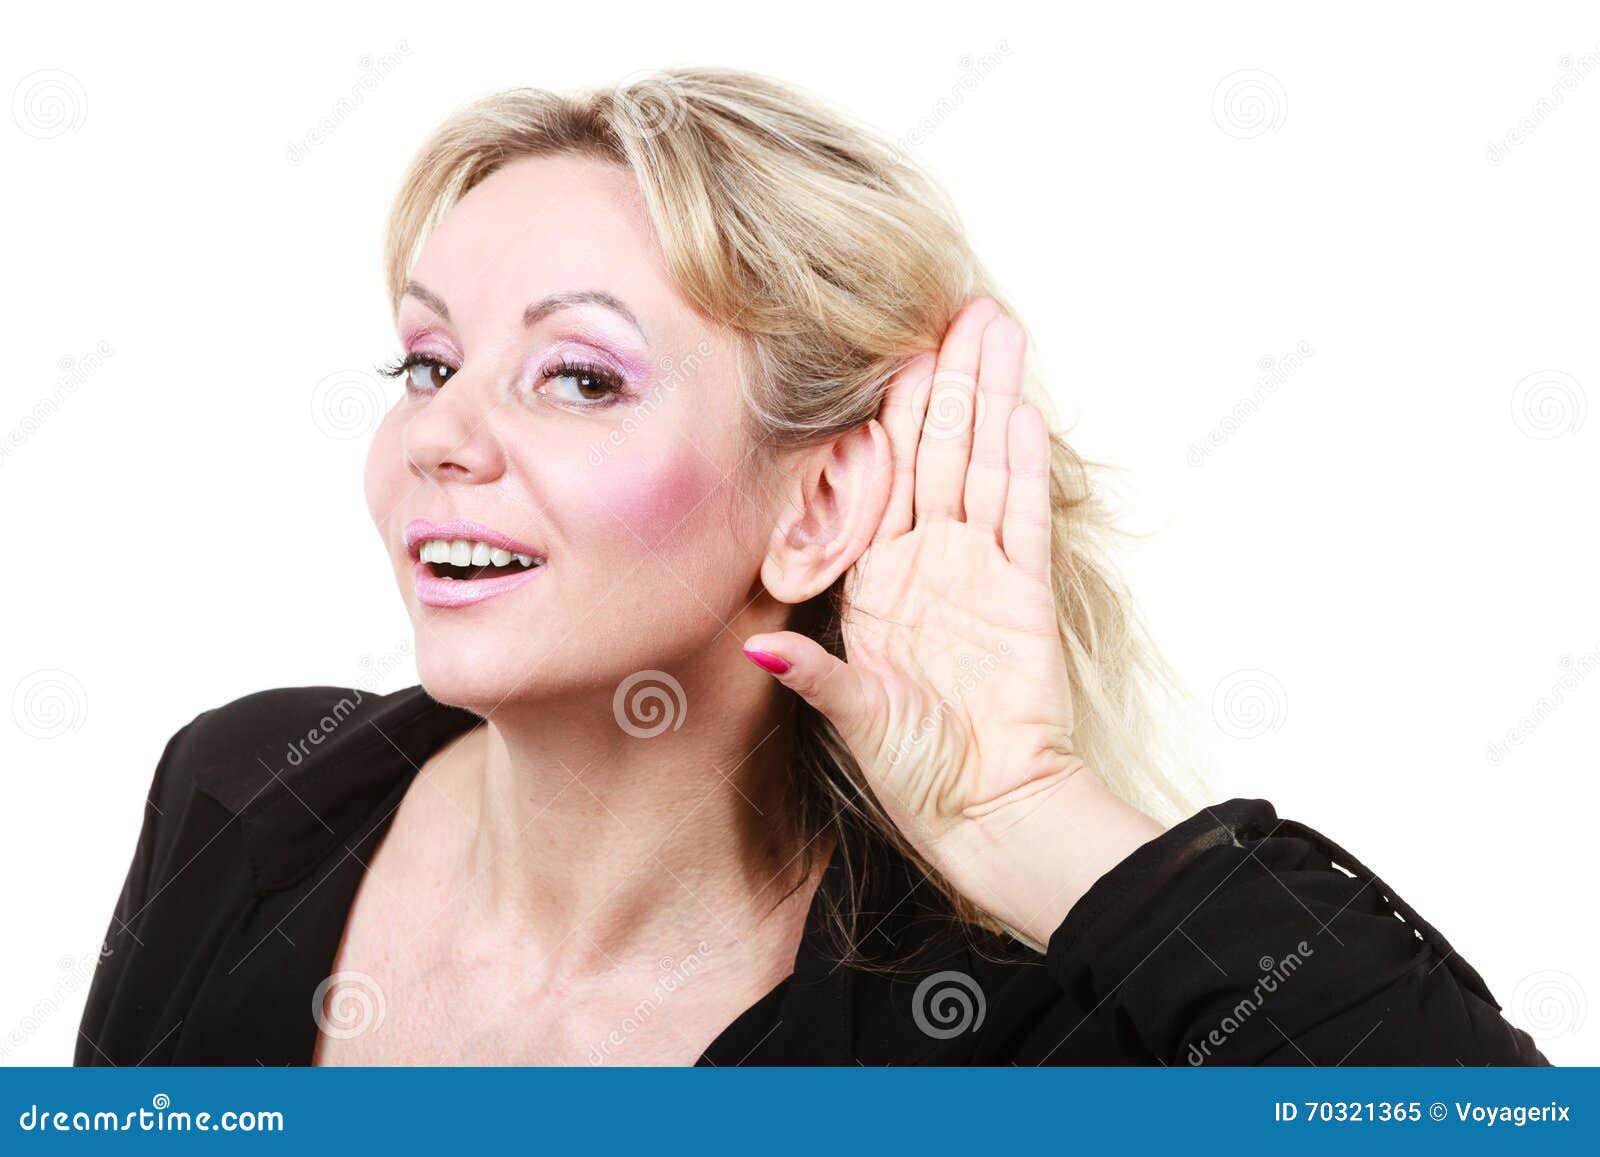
(541, 225)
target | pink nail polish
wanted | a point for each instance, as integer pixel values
(767, 661)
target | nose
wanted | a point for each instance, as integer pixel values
(450, 438)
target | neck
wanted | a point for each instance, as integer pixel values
(598, 848)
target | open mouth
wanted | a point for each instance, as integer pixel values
(461, 563)
(465, 560)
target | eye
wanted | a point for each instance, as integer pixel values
(577, 384)
(423, 374)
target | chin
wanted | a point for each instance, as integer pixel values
(482, 671)
(460, 677)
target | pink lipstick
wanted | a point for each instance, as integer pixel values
(460, 562)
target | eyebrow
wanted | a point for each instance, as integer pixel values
(540, 309)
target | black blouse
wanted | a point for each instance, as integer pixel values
(1233, 938)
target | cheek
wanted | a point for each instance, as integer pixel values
(382, 478)
(663, 500)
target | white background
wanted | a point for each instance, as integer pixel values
(1376, 574)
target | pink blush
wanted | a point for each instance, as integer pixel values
(649, 497)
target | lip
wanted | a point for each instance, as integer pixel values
(420, 530)
(433, 591)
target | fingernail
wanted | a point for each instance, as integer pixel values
(767, 661)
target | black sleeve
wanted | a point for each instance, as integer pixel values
(160, 812)
(1240, 938)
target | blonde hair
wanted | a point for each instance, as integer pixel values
(835, 260)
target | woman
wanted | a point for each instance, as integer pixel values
(776, 704)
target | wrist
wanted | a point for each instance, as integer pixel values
(1028, 857)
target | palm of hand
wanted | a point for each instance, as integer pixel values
(959, 651)
(954, 695)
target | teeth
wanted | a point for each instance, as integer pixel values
(462, 552)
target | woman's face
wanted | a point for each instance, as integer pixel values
(565, 404)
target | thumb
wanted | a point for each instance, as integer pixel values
(804, 666)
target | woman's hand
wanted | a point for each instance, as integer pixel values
(954, 697)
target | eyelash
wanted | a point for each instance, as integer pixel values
(609, 380)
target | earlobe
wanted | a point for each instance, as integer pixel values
(837, 494)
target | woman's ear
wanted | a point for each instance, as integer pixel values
(835, 496)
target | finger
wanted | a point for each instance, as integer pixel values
(946, 442)
(1025, 536)
(808, 669)
(999, 391)
(901, 415)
